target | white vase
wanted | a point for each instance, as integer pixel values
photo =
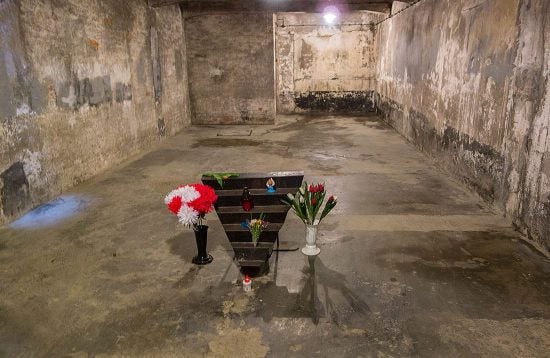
(311, 248)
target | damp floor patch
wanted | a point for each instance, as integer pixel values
(234, 132)
(52, 213)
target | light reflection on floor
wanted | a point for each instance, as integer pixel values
(52, 213)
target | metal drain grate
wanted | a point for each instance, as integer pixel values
(234, 132)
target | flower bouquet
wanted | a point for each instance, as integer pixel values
(255, 226)
(190, 203)
(306, 204)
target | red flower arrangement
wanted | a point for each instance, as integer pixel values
(191, 202)
(307, 202)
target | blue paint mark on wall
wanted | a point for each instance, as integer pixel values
(52, 213)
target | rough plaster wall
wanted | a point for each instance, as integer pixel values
(329, 61)
(77, 91)
(465, 81)
(527, 148)
(175, 112)
(230, 64)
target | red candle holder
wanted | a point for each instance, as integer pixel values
(246, 200)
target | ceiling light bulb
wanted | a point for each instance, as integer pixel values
(330, 14)
(329, 17)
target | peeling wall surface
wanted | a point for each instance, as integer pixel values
(77, 93)
(322, 67)
(467, 82)
(230, 64)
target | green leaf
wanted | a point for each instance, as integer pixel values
(309, 208)
(327, 209)
(320, 200)
(220, 177)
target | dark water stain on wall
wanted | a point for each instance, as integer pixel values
(20, 91)
(477, 164)
(95, 91)
(7, 99)
(543, 216)
(15, 190)
(329, 101)
(37, 96)
(123, 92)
(178, 58)
(161, 127)
(156, 60)
(306, 55)
(100, 91)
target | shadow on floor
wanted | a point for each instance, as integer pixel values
(276, 301)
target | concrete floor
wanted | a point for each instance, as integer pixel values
(412, 264)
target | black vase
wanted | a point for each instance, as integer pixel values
(201, 236)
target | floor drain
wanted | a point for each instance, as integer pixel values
(234, 133)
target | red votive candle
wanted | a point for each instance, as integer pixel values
(246, 200)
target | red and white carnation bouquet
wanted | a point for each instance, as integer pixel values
(191, 202)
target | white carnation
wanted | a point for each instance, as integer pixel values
(187, 216)
(168, 198)
(186, 193)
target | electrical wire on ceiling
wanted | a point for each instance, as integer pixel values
(397, 13)
(283, 25)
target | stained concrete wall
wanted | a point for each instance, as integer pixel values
(327, 68)
(230, 64)
(83, 85)
(467, 82)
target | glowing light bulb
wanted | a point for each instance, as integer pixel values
(330, 14)
(329, 18)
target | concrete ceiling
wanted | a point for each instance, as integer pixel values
(276, 5)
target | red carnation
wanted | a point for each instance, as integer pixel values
(204, 203)
(175, 204)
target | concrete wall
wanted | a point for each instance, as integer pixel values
(467, 82)
(323, 67)
(83, 85)
(230, 64)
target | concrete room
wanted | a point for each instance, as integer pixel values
(427, 119)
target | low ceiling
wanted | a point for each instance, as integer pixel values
(276, 5)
